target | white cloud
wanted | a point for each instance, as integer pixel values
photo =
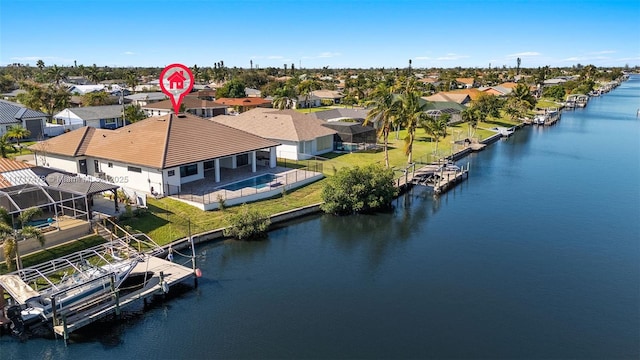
(328, 54)
(526, 53)
(573, 58)
(46, 59)
(452, 56)
(128, 53)
(604, 52)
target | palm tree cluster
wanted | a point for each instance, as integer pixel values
(401, 105)
(11, 236)
(15, 132)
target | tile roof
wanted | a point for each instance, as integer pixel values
(289, 125)
(327, 94)
(509, 85)
(473, 93)
(448, 97)
(189, 101)
(11, 165)
(465, 80)
(341, 113)
(246, 101)
(13, 113)
(93, 112)
(158, 142)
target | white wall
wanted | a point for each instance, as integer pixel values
(59, 162)
(287, 150)
(120, 175)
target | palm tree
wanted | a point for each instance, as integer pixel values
(18, 132)
(56, 74)
(412, 113)
(40, 65)
(471, 116)
(284, 98)
(436, 127)
(383, 111)
(306, 87)
(11, 236)
(4, 145)
(522, 92)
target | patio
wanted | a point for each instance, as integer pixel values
(206, 193)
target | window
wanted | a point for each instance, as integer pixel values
(324, 143)
(171, 173)
(96, 165)
(188, 170)
(134, 169)
(242, 160)
(208, 164)
(109, 121)
(110, 165)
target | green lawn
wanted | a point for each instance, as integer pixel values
(58, 251)
(547, 103)
(12, 152)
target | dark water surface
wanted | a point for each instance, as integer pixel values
(537, 255)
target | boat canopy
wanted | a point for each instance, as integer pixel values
(17, 288)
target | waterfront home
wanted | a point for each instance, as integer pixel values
(102, 117)
(301, 136)
(14, 114)
(192, 105)
(159, 154)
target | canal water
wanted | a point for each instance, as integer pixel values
(537, 255)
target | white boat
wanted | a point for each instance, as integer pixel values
(89, 283)
(505, 132)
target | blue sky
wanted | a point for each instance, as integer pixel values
(334, 33)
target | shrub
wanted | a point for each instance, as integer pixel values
(247, 224)
(222, 204)
(358, 189)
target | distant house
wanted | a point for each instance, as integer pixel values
(85, 89)
(459, 98)
(466, 83)
(143, 99)
(335, 97)
(159, 154)
(305, 102)
(497, 90)
(101, 117)
(241, 105)
(252, 92)
(301, 136)
(192, 104)
(342, 114)
(12, 114)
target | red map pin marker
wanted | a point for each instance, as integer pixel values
(176, 80)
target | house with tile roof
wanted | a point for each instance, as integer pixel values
(159, 154)
(101, 117)
(328, 95)
(240, 105)
(301, 136)
(462, 99)
(12, 114)
(193, 105)
(466, 83)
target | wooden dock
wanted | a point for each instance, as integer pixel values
(162, 275)
(435, 176)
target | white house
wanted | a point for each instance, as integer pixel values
(12, 114)
(144, 99)
(103, 117)
(192, 104)
(301, 136)
(85, 89)
(157, 155)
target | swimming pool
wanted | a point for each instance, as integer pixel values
(257, 182)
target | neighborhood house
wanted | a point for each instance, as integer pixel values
(157, 155)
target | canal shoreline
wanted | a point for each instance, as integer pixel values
(279, 220)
